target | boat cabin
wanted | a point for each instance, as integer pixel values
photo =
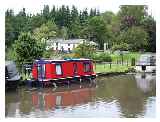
(53, 70)
(146, 63)
(12, 75)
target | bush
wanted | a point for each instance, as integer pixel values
(27, 48)
(84, 50)
(48, 53)
(105, 57)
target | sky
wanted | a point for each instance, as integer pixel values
(35, 6)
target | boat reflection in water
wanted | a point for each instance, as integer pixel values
(145, 81)
(129, 96)
(75, 95)
(37, 102)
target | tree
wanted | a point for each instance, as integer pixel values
(45, 13)
(135, 37)
(45, 31)
(27, 49)
(131, 15)
(97, 31)
(9, 29)
(84, 17)
(149, 25)
(112, 25)
(64, 33)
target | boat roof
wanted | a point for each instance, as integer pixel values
(63, 60)
(9, 63)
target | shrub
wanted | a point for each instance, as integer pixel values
(105, 57)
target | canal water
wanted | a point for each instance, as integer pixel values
(120, 96)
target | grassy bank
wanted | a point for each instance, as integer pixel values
(126, 57)
(105, 68)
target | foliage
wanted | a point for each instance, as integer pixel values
(47, 53)
(27, 48)
(122, 46)
(149, 25)
(45, 31)
(131, 15)
(130, 29)
(105, 57)
(97, 30)
(85, 50)
(135, 38)
(10, 54)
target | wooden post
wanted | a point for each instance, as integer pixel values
(110, 65)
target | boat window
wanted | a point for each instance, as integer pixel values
(41, 71)
(87, 67)
(75, 68)
(58, 69)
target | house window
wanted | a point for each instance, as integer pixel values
(87, 67)
(58, 69)
(68, 44)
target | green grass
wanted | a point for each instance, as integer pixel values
(126, 57)
(105, 68)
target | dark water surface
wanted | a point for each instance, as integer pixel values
(116, 96)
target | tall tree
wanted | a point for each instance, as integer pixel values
(97, 30)
(131, 15)
(9, 29)
(149, 25)
(45, 12)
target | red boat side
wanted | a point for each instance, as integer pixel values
(50, 70)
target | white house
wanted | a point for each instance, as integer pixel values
(65, 45)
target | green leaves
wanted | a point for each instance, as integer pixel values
(45, 31)
(97, 30)
(85, 50)
(135, 37)
(27, 48)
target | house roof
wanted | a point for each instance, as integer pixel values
(62, 41)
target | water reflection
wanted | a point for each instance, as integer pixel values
(118, 96)
(146, 82)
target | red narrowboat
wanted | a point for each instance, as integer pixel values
(55, 70)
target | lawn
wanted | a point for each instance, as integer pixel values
(126, 57)
(116, 58)
(101, 68)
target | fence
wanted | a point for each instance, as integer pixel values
(116, 66)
